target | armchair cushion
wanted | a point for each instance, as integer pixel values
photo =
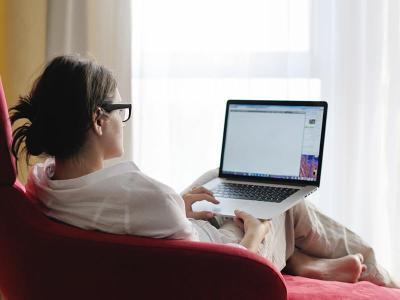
(45, 259)
(301, 288)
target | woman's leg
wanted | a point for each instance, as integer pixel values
(317, 235)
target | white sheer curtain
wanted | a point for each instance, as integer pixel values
(357, 46)
(189, 57)
(99, 29)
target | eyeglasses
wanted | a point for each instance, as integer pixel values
(124, 110)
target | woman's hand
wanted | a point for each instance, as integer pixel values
(254, 229)
(198, 194)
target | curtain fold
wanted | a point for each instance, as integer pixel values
(360, 75)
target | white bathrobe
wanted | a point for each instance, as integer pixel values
(121, 199)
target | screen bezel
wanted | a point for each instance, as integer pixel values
(277, 103)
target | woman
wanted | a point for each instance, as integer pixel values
(76, 117)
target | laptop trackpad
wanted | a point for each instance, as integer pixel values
(228, 206)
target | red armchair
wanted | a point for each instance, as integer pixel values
(42, 259)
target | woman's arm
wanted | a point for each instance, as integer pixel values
(254, 229)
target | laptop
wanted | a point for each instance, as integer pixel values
(271, 157)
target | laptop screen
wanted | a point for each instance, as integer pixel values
(274, 141)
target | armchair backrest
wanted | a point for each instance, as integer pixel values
(7, 165)
(44, 259)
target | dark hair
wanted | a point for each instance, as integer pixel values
(60, 106)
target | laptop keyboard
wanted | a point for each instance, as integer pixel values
(253, 192)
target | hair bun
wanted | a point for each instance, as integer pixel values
(33, 141)
(77, 86)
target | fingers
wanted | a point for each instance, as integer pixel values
(198, 197)
(200, 190)
(266, 222)
(201, 215)
(241, 214)
(363, 268)
(239, 222)
(246, 217)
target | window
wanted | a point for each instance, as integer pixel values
(190, 57)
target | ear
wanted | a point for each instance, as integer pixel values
(98, 121)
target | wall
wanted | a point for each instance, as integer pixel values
(2, 35)
(22, 48)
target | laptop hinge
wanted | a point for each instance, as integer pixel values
(268, 182)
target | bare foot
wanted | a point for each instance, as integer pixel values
(345, 269)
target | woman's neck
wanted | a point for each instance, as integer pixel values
(76, 167)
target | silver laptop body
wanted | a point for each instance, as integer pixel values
(271, 157)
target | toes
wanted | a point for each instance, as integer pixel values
(363, 268)
(360, 257)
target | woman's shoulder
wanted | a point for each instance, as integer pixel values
(126, 174)
(121, 178)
